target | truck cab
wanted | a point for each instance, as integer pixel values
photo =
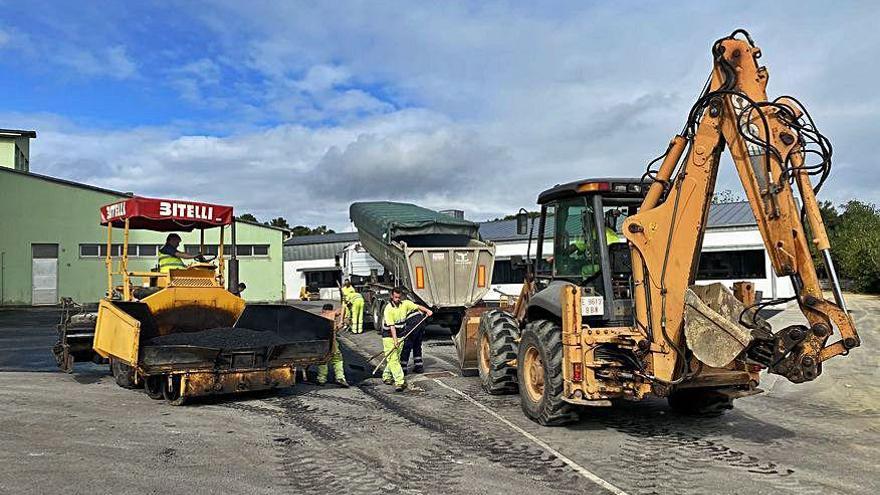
(585, 219)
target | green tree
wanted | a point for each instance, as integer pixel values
(726, 196)
(300, 230)
(280, 222)
(855, 241)
(247, 217)
(303, 230)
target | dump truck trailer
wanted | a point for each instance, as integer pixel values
(440, 260)
(180, 333)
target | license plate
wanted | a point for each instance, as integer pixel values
(592, 306)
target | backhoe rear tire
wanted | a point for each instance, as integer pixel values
(539, 373)
(497, 342)
(123, 374)
(700, 402)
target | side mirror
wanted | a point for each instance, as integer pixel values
(522, 223)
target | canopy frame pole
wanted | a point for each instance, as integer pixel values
(123, 264)
(108, 260)
(219, 255)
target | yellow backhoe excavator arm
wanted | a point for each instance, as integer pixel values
(769, 142)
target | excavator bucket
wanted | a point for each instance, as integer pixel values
(711, 324)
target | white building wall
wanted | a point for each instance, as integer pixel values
(295, 278)
(747, 238)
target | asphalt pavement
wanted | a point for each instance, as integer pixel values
(80, 433)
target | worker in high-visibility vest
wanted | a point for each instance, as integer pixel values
(170, 258)
(335, 355)
(354, 304)
(399, 319)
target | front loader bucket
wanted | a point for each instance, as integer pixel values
(711, 324)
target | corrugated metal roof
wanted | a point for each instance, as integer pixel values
(737, 214)
(505, 230)
(299, 240)
(327, 246)
(323, 251)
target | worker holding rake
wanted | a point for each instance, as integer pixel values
(395, 323)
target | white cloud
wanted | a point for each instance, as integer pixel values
(112, 62)
(477, 106)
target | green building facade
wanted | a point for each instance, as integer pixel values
(52, 245)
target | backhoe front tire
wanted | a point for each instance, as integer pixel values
(700, 402)
(496, 341)
(539, 373)
(123, 374)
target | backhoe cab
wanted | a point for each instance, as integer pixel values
(589, 249)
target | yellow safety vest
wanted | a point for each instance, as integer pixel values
(611, 237)
(168, 262)
(350, 295)
(396, 316)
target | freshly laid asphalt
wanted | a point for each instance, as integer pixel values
(80, 433)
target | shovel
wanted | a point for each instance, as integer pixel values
(394, 349)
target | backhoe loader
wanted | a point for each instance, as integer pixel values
(614, 313)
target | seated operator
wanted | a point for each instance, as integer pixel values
(577, 249)
(170, 258)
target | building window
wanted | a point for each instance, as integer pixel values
(241, 250)
(148, 250)
(732, 265)
(134, 250)
(88, 250)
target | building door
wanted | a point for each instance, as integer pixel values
(44, 274)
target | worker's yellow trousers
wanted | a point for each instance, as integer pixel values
(357, 315)
(336, 362)
(392, 365)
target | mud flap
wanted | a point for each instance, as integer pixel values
(711, 325)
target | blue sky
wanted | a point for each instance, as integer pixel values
(297, 109)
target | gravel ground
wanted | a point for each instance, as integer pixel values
(80, 433)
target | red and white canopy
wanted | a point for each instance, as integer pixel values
(165, 215)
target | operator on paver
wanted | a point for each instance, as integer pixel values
(400, 317)
(354, 304)
(172, 259)
(328, 312)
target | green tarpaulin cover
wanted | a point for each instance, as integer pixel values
(387, 220)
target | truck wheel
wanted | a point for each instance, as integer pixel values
(153, 385)
(700, 402)
(539, 373)
(122, 373)
(496, 340)
(378, 311)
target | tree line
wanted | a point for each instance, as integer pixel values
(295, 231)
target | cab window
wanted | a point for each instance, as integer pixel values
(575, 249)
